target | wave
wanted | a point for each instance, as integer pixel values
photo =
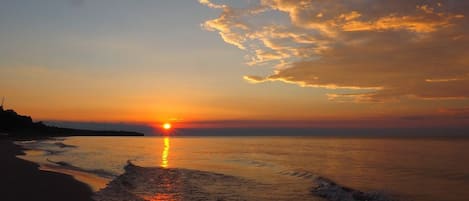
(62, 145)
(68, 166)
(156, 183)
(49, 147)
(298, 173)
(141, 183)
(332, 191)
(254, 163)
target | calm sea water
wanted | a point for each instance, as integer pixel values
(409, 169)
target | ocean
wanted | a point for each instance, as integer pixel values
(259, 168)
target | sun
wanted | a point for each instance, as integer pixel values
(167, 126)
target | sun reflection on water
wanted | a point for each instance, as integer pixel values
(161, 197)
(165, 154)
(167, 183)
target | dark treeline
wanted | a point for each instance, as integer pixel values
(13, 124)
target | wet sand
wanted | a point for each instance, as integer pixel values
(22, 180)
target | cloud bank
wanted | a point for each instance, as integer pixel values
(391, 49)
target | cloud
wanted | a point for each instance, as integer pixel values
(229, 24)
(391, 49)
(211, 5)
(458, 113)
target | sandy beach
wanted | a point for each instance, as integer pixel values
(22, 180)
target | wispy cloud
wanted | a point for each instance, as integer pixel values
(396, 49)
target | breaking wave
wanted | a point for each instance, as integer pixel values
(141, 183)
(156, 183)
(332, 191)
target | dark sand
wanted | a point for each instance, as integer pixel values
(22, 180)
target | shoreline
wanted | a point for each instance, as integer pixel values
(23, 180)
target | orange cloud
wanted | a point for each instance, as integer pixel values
(390, 49)
(425, 22)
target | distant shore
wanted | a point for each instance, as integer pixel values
(13, 124)
(22, 180)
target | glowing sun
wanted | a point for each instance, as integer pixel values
(167, 126)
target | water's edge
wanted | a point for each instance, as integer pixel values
(157, 183)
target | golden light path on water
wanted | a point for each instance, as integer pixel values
(165, 154)
(167, 184)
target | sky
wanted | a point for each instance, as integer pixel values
(246, 63)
